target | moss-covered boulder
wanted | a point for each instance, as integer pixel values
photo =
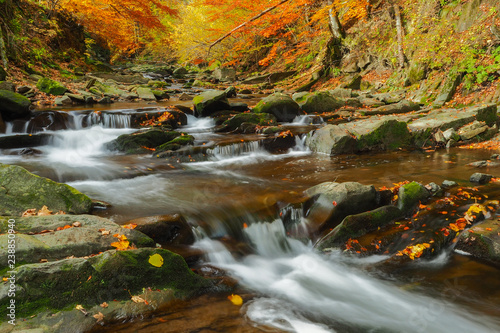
(13, 105)
(417, 72)
(160, 94)
(482, 242)
(260, 119)
(209, 102)
(21, 190)
(112, 90)
(175, 144)
(332, 140)
(51, 87)
(319, 102)
(410, 195)
(113, 275)
(82, 240)
(354, 226)
(145, 94)
(383, 134)
(142, 141)
(282, 106)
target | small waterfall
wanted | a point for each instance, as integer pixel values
(293, 220)
(104, 119)
(235, 149)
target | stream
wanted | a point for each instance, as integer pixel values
(285, 284)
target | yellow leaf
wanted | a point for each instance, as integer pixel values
(29, 212)
(122, 244)
(79, 307)
(235, 299)
(156, 260)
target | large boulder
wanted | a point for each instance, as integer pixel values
(282, 106)
(343, 198)
(13, 105)
(142, 141)
(332, 140)
(49, 237)
(113, 275)
(209, 102)
(21, 190)
(260, 119)
(319, 102)
(145, 94)
(51, 87)
(354, 226)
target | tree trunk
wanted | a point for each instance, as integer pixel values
(334, 23)
(399, 32)
(3, 53)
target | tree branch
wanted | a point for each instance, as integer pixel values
(245, 23)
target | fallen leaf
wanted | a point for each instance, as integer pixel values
(235, 299)
(138, 299)
(29, 212)
(122, 244)
(156, 260)
(44, 260)
(77, 224)
(130, 226)
(44, 211)
(99, 316)
(488, 229)
(104, 305)
(104, 232)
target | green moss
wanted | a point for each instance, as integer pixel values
(51, 87)
(176, 143)
(390, 135)
(137, 143)
(261, 119)
(410, 195)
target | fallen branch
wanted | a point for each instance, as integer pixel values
(243, 24)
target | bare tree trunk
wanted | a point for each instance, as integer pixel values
(399, 32)
(3, 53)
(334, 23)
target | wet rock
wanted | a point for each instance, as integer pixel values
(51, 87)
(112, 90)
(341, 200)
(280, 143)
(105, 100)
(483, 164)
(63, 100)
(225, 74)
(230, 92)
(319, 102)
(449, 184)
(410, 195)
(145, 94)
(261, 119)
(113, 275)
(142, 141)
(24, 140)
(354, 226)
(480, 178)
(482, 242)
(21, 190)
(246, 92)
(210, 102)
(282, 106)
(165, 229)
(239, 107)
(175, 144)
(13, 105)
(30, 152)
(403, 106)
(160, 94)
(32, 245)
(331, 140)
(383, 134)
(434, 189)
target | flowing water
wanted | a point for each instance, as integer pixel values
(235, 193)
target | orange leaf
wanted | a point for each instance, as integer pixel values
(130, 226)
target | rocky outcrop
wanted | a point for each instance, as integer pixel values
(209, 102)
(21, 190)
(282, 106)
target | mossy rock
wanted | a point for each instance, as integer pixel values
(113, 275)
(410, 195)
(319, 102)
(354, 226)
(21, 190)
(384, 135)
(51, 87)
(261, 119)
(13, 105)
(417, 72)
(175, 144)
(482, 242)
(160, 94)
(139, 142)
(158, 84)
(282, 106)
(210, 102)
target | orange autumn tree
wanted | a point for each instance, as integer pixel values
(125, 25)
(286, 31)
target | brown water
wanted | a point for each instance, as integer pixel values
(292, 289)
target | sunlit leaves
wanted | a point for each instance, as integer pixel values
(414, 251)
(235, 299)
(122, 243)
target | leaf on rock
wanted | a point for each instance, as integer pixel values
(156, 260)
(138, 299)
(104, 305)
(104, 232)
(130, 226)
(29, 212)
(235, 299)
(44, 211)
(99, 316)
(122, 244)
